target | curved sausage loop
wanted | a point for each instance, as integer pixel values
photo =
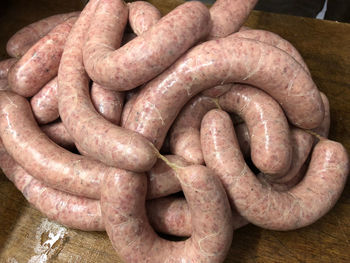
(23, 39)
(45, 103)
(142, 16)
(96, 136)
(273, 40)
(302, 205)
(109, 103)
(123, 211)
(270, 145)
(41, 157)
(146, 56)
(171, 215)
(221, 61)
(184, 133)
(40, 63)
(228, 16)
(72, 211)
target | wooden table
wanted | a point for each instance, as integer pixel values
(26, 236)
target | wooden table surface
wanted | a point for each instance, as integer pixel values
(27, 236)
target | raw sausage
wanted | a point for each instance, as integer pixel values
(108, 103)
(270, 147)
(223, 61)
(302, 205)
(5, 66)
(45, 103)
(42, 158)
(98, 137)
(72, 211)
(84, 213)
(273, 40)
(41, 61)
(58, 133)
(184, 134)
(162, 180)
(323, 129)
(123, 211)
(149, 54)
(228, 16)
(142, 16)
(172, 215)
(22, 40)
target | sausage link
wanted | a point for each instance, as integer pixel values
(5, 66)
(39, 156)
(216, 91)
(108, 103)
(84, 213)
(162, 180)
(128, 106)
(4, 85)
(243, 138)
(228, 16)
(58, 133)
(323, 129)
(223, 61)
(69, 210)
(184, 134)
(302, 205)
(267, 38)
(45, 103)
(142, 16)
(273, 40)
(40, 63)
(271, 150)
(22, 40)
(148, 55)
(123, 211)
(172, 215)
(98, 137)
(302, 143)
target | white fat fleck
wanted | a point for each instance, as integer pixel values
(44, 250)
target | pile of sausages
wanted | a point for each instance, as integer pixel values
(108, 114)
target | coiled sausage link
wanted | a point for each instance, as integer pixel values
(172, 215)
(45, 103)
(271, 149)
(5, 66)
(72, 211)
(98, 137)
(39, 156)
(228, 16)
(147, 55)
(184, 134)
(41, 61)
(142, 16)
(84, 213)
(123, 211)
(108, 103)
(22, 40)
(302, 205)
(222, 61)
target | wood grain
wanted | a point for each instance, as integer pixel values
(325, 46)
